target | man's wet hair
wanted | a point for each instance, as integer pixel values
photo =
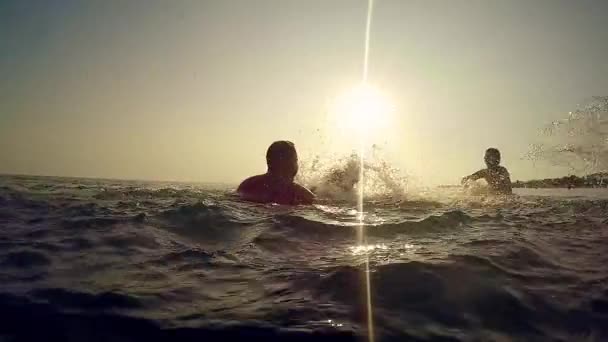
(280, 151)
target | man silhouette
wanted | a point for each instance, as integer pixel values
(277, 184)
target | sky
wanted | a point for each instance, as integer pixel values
(197, 90)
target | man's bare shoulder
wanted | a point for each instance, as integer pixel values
(252, 183)
(261, 189)
(504, 170)
(303, 195)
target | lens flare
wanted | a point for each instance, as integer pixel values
(374, 105)
(362, 112)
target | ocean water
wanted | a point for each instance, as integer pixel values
(101, 260)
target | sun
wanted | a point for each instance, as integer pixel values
(362, 112)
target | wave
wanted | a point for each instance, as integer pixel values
(86, 301)
(18, 198)
(143, 193)
(51, 313)
(140, 265)
(202, 215)
(25, 259)
(455, 295)
(312, 228)
(449, 220)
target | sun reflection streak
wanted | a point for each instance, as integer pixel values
(370, 322)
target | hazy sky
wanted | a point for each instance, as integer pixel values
(196, 90)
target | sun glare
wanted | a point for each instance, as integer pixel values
(362, 112)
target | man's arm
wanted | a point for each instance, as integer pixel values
(477, 175)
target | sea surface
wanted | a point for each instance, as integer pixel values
(104, 260)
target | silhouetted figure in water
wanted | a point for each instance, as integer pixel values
(277, 184)
(499, 181)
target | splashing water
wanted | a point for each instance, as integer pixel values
(337, 178)
(578, 142)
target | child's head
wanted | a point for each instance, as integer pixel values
(492, 157)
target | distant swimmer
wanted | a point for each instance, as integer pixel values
(277, 184)
(498, 178)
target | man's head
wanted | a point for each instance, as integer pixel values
(282, 159)
(492, 157)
